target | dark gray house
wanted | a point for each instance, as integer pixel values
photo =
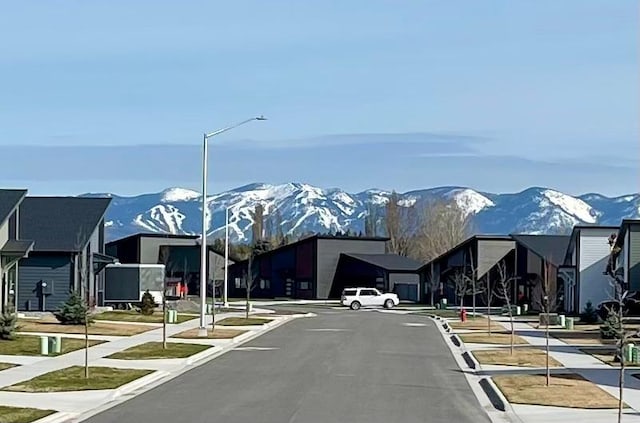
(68, 250)
(179, 253)
(12, 248)
(524, 258)
(320, 266)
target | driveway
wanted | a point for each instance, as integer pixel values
(342, 366)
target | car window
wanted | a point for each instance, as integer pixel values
(367, 292)
(349, 292)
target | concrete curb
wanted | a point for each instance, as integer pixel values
(58, 417)
(464, 357)
(157, 378)
(138, 383)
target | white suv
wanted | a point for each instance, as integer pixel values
(363, 297)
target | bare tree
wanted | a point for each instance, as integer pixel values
(400, 223)
(257, 229)
(488, 294)
(82, 261)
(547, 301)
(371, 221)
(503, 291)
(441, 226)
(164, 258)
(433, 283)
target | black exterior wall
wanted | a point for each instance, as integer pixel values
(56, 269)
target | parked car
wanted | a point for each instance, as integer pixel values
(367, 297)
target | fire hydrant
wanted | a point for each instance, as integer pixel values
(463, 315)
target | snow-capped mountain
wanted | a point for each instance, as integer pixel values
(299, 208)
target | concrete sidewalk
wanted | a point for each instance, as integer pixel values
(589, 367)
(74, 403)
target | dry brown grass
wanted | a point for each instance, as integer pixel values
(96, 328)
(566, 390)
(522, 357)
(500, 338)
(218, 333)
(479, 323)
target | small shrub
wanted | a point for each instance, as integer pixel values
(74, 311)
(611, 328)
(589, 314)
(8, 324)
(148, 303)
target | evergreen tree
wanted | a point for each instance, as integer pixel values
(589, 314)
(8, 323)
(148, 303)
(612, 327)
(74, 311)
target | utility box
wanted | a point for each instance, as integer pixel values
(126, 283)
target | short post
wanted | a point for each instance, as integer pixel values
(518, 311)
(563, 321)
(44, 345)
(569, 323)
(444, 303)
(628, 352)
(525, 308)
(58, 344)
(634, 354)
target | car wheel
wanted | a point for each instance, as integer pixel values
(388, 304)
(355, 305)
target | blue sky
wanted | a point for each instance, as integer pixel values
(496, 95)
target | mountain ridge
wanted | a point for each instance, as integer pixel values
(300, 208)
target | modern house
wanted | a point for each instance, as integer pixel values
(481, 257)
(624, 261)
(12, 247)
(583, 275)
(318, 267)
(179, 253)
(68, 251)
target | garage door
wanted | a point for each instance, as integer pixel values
(407, 291)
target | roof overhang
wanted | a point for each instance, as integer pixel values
(100, 261)
(16, 248)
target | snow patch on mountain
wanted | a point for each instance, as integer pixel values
(573, 206)
(172, 195)
(470, 201)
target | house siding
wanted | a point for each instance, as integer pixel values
(150, 247)
(55, 269)
(490, 252)
(327, 256)
(594, 254)
(634, 258)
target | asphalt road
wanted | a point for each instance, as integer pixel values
(342, 366)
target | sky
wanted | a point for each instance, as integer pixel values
(498, 95)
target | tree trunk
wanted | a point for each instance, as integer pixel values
(489, 315)
(164, 323)
(86, 345)
(622, 357)
(247, 306)
(432, 298)
(548, 371)
(473, 299)
(513, 331)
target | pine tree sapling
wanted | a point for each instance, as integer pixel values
(589, 314)
(148, 303)
(74, 311)
(8, 324)
(611, 327)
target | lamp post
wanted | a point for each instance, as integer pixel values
(202, 332)
(225, 300)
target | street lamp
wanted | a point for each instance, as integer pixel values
(202, 332)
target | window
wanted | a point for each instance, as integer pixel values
(305, 285)
(349, 292)
(367, 292)
(238, 282)
(265, 284)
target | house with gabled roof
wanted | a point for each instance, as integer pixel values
(624, 260)
(524, 258)
(12, 247)
(584, 277)
(68, 251)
